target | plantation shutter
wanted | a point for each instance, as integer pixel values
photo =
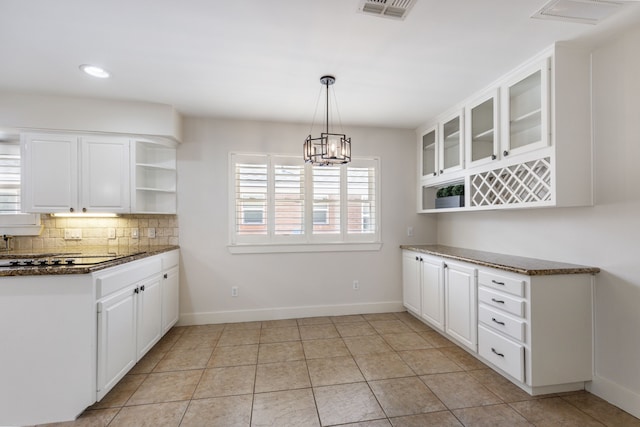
(289, 195)
(326, 200)
(251, 213)
(361, 199)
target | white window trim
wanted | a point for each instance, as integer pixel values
(302, 243)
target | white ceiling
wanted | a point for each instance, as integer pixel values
(260, 59)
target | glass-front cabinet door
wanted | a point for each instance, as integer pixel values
(428, 153)
(482, 119)
(451, 151)
(526, 104)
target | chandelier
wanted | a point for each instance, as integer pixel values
(328, 148)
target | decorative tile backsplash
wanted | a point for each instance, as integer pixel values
(95, 232)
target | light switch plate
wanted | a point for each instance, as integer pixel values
(134, 233)
(151, 233)
(72, 234)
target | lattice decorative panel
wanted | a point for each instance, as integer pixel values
(521, 183)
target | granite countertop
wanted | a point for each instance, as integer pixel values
(124, 254)
(515, 264)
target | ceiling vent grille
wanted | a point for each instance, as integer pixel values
(394, 9)
(582, 11)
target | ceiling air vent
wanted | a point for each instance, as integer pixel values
(582, 11)
(394, 9)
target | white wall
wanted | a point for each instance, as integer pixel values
(606, 235)
(286, 285)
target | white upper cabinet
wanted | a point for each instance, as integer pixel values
(482, 142)
(429, 153)
(69, 173)
(153, 177)
(526, 104)
(451, 153)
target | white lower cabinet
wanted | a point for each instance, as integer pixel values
(460, 303)
(170, 290)
(411, 281)
(433, 292)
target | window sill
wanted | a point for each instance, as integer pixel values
(297, 248)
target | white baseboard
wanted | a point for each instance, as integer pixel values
(287, 313)
(616, 394)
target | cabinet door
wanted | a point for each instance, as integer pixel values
(116, 339)
(429, 153)
(460, 301)
(526, 105)
(105, 175)
(411, 285)
(450, 148)
(170, 298)
(50, 173)
(482, 129)
(149, 319)
(433, 292)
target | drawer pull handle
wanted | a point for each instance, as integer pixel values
(497, 283)
(497, 321)
(497, 300)
(493, 350)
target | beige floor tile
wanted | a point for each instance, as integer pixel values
(367, 345)
(380, 316)
(602, 410)
(119, 394)
(282, 376)
(460, 390)
(434, 419)
(234, 356)
(553, 412)
(390, 327)
(230, 411)
(280, 335)
(373, 423)
(195, 342)
(436, 339)
(167, 341)
(242, 326)
(429, 361)
(405, 396)
(500, 386)
(156, 415)
(415, 324)
(148, 362)
(381, 366)
(239, 337)
(334, 370)
(305, 321)
(318, 349)
(317, 332)
(166, 387)
(211, 331)
(285, 408)
(280, 352)
(350, 318)
(355, 329)
(407, 341)
(493, 415)
(462, 358)
(178, 360)
(229, 381)
(89, 418)
(347, 403)
(284, 323)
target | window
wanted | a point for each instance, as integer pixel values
(12, 220)
(279, 200)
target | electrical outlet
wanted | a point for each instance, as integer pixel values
(234, 291)
(111, 233)
(134, 233)
(72, 234)
(409, 231)
(356, 285)
(151, 233)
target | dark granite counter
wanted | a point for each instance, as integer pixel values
(515, 264)
(123, 254)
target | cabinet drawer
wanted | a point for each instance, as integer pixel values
(502, 352)
(502, 283)
(115, 278)
(170, 259)
(501, 301)
(495, 319)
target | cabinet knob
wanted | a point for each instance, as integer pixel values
(445, 265)
(493, 350)
(493, 319)
(142, 288)
(166, 275)
(497, 283)
(421, 259)
(493, 157)
(505, 153)
(136, 290)
(417, 258)
(498, 301)
(70, 209)
(84, 209)
(435, 173)
(441, 171)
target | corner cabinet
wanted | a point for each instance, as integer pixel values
(70, 173)
(527, 139)
(153, 177)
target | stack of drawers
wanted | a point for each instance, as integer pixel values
(502, 328)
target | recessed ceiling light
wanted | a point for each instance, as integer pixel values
(95, 71)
